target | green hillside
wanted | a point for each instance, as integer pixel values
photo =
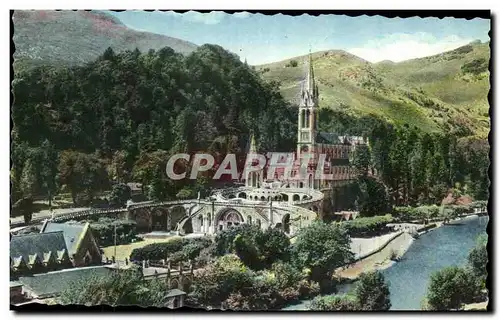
(437, 93)
(75, 37)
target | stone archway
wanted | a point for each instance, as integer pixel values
(186, 284)
(242, 195)
(160, 219)
(187, 226)
(143, 219)
(227, 218)
(284, 196)
(296, 197)
(174, 284)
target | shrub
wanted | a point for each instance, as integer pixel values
(256, 248)
(410, 214)
(292, 64)
(322, 248)
(463, 49)
(334, 303)
(368, 226)
(182, 248)
(308, 289)
(476, 66)
(104, 231)
(119, 195)
(215, 283)
(450, 288)
(478, 258)
(372, 292)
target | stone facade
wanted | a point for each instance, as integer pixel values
(338, 150)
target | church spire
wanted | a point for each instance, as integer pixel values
(253, 145)
(310, 76)
(309, 94)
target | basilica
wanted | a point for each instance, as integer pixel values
(337, 150)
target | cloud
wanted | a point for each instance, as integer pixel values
(213, 17)
(241, 15)
(404, 46)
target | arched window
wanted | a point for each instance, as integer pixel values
(249, 220)
(258, 223)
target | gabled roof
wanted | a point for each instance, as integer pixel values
(71, 232)
(327, 138)
(53, 283)
(25, 246)
(175, 293)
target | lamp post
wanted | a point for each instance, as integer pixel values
(213, 215)
(115, 244)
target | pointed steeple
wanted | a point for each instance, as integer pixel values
(310, 75)
(253, 145)
(309, 94)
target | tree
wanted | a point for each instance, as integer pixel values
(257, 249)
(372, 292)
(29, 181)
(81, 173)
(322, 248)
(450, 288)
(373, 198)
(214, 283)
(362, 159)
(119, 288)
(478, 257)
(48, 170)
(185, 193)
(120, 194)
(334, 303)
(273, 245)
(118, 170)
(25, 208)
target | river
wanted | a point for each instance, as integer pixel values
(408, 279)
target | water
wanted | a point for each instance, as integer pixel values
(440, 248)
(408, 280)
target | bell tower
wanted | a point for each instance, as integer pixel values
(308, 112)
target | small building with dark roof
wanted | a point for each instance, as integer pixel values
(52, 284)
(82, 247)
(175, 298)
(37, 253)
(16, 292)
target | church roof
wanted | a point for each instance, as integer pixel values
(30, 246)
(71, 232)
(327, 138)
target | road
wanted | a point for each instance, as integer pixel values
(46, 214)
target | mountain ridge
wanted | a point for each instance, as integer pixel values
(447, 91)
(76, 37)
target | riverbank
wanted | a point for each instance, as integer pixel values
(437, 248)
(476, 306)
(379, 260)
(383, 248)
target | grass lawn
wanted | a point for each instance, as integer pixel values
(124, 251)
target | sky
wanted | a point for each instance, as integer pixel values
(264, 39)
